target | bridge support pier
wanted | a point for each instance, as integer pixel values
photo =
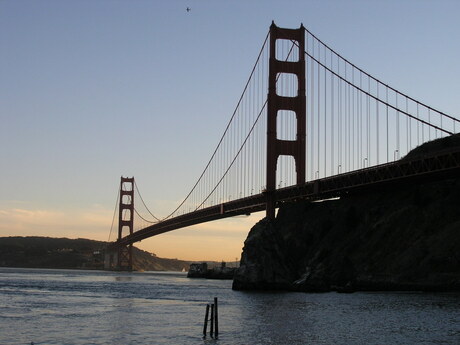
(110, 259)
(277, 147)
(271, 202)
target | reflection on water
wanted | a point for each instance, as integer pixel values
(80, 307)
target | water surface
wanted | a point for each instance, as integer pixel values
(97, 307)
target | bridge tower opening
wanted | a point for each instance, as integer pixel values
(125, 223)
(277, 103)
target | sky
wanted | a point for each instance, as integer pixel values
(92, 90)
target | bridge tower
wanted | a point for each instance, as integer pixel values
(277, 147)
(125, 222)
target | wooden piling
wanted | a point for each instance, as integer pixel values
(214, 327)
(205, 327)
(212, 321)
(216, 319)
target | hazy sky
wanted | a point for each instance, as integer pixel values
(91, 90)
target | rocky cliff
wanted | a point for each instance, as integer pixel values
(405, 238)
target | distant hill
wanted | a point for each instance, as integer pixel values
(46, 252)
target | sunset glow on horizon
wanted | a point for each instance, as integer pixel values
(94, 90)
(223, 238)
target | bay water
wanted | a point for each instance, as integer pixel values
(42, 306)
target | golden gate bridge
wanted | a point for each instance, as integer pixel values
(309, 124)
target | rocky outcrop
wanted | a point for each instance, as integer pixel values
(407, 238)
(264, 263)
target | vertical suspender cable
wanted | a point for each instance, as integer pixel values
(325, 114)
(332, 119)
(377, 144)
(319, 110)
(388, 149)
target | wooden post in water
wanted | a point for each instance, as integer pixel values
(216, 319)
(214, 329)
(212, 321)
(205, 328)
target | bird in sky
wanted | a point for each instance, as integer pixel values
(188, 9)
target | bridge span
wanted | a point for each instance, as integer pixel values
(309, 125)
(438, 165)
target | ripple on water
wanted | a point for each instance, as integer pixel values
(62, 307)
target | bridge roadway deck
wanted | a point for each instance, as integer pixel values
(442, 164)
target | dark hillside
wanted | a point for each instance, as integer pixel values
(46, 252)
(401, 238)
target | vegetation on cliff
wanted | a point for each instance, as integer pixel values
(403, 238)
(46, 252)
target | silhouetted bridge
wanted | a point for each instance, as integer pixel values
(326, 128)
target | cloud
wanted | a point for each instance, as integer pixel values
(21, 219)
(93, 223)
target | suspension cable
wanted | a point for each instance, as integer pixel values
(236, 156)
(378, 81)
(140, 196)
(381, 101)
(114, 213)
(245, 140)
(226, 129)
(145, 220)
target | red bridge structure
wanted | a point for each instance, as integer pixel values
(325, 128)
